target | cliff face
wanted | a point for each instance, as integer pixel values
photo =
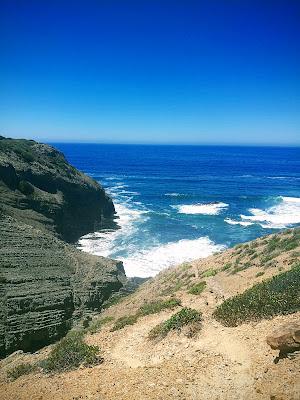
(45, 283)
(39, 187)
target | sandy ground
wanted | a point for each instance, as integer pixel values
(220, 363)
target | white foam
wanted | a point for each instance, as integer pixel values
(149, 262)
(282, 215)
(130, 192)
(204, 208)
(173, 194)
(233, 222)
(104, 243)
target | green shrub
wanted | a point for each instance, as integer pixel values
(197, 288)
(21, 369)
(261, 273)
(146, 309)
(70, 352)
(295, 254)
(157, 306)
(209, 272)
(275, 296)
(226, 267)
(251, 252)
(184, 317)
(124, 321)
(238, 268)
(284, 244)
(97, 324)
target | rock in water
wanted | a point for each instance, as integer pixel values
(46, 283)
(39, 187)
(286, 338)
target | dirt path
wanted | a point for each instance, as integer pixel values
(220, 363)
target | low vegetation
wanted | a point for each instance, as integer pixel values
(71, 352)
(275, 296)
(226, 267)
(185, 317)
(124, 321)
(21, 369)
(146, 309)
(96, 324)
(209, 272)
(197, 288)
(157, 306)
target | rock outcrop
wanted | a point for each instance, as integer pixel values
(285, 338)
(39, 187)
(46, 283)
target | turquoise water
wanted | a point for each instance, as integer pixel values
(178, 203)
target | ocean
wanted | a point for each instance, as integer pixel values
(179, 203)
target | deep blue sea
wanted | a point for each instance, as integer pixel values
(178, 203)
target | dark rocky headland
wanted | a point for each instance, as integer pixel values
(45, 282)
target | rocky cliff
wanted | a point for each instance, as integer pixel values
(45, 283)
(39, 187)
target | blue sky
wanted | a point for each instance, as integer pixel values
(209, 72)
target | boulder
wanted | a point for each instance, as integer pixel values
(285, 338)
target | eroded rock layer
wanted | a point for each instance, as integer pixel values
(45, 283)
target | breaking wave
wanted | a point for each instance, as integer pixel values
(282, 215)
(202, 208)
(233, 222)
(151, 261)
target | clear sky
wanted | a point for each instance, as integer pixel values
(151, 71)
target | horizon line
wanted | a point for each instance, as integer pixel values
(175, 144)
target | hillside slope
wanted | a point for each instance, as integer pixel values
(217, 362)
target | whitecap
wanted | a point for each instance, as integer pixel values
(149, 262)
(282, 215)
(202, 208)
(233, 222)
(174, 194)
(104, 243)
(130, 192)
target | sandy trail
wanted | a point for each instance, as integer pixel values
(220, 363)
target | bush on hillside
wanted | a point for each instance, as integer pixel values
(275, 296)
(20, 369)
(124, 321)
(153, 307)
(70, 352)
(197, 288)
(157, 306)
(209, 272)
(185, 317)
